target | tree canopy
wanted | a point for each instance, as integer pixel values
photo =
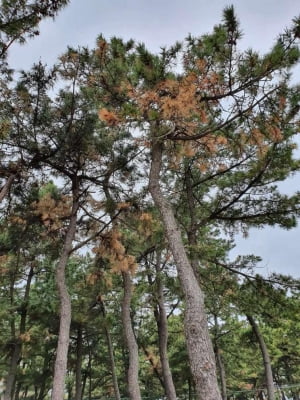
(125, 176)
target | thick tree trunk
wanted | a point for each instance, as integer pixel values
(162, 327)
(60, 366)
(17, 347)
(199, 346)
(78, 374)
(266, 358)
(133, 369)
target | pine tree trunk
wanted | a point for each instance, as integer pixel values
(17, 347)
(45, 374)
(222, 372)
(199, 346)
(266, 358)
(129, 334)
(111, 356)
(87, 371)
(6, 187)
(133, 369)
(11, 377)
(60, 366)
(220, 362)
(162, 326)
(78, 374)
(192, 228)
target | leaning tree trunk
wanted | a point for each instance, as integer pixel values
(162, 327)
(6, 187)
(60, 366)
(17, 347)
(199, 346)
(266, 358)
(131, 344)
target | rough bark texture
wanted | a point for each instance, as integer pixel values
(60, 366)
(199, 346)
(162, 326)
(133, 369)
(266, 358)
(17, 347)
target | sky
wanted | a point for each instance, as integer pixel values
(160, 23)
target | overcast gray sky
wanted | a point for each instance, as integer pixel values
(160, 23)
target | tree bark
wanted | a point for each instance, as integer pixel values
(199, 346)
(266, 357)
(6, 187)
(17, 346)
(162, 327)
(131, 344)
(60, 366)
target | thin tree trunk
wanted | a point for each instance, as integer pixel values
(111, 356)
(133, 369)
(84, 383)
(162, 327)
(199, 346)
(17, 391)
(222, 372)
(220, 362)
(132, 373)
(87, 371)
(192, 228)
(60, 366)
(17, 347)
(6, 187)
(78, 374)
(266, 358)
(45, 374)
